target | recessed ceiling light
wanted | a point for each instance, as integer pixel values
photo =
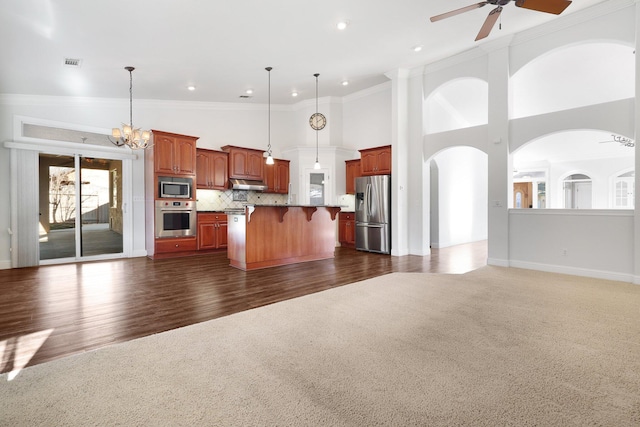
(417, 48)
(191, 88)
(249, 91)
(294, 94)
(342, 25)
(345, 83)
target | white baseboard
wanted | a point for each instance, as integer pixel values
(498, 262)
(575, 271)
(5, 264)
(139, 253)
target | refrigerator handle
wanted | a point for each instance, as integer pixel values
(368, 201)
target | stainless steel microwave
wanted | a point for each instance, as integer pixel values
(174, 189)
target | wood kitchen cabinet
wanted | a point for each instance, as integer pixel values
(174, 154)
(353, 172)
(276, 176)
(376, 161)
(245, 163)
(175, 246)
(212, 169)
(347, 229)
(212, 231)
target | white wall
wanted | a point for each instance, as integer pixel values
(367, 118)
(587, 243)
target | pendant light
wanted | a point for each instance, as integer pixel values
(317, 164)
(132, 137)
(269, 156)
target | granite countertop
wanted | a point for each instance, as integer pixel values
(277, 205)
(242, 211)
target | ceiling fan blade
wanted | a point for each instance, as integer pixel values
(458, 11)
(489, 23)
(549, 6)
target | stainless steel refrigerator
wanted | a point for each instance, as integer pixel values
(373, 213)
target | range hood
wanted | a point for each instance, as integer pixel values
(247, 184)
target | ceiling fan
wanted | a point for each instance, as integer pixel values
(623, 141)
(549, 6)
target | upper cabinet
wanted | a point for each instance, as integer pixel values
(174, 154)
(376, 161)
(212, 170)
(245, 163)
(276, 176)
(353, 172)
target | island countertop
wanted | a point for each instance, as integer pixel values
(280, 234)
(283, 208)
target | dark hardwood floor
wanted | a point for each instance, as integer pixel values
(54, 311)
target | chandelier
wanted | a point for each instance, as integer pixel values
(133, 138)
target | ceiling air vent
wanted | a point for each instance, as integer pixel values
(72, 62)
(245, 96)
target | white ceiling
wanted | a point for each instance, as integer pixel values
(223, 47)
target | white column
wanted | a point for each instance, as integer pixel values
(498, 151)
(400, 162)
(419, 172)
(636, 215)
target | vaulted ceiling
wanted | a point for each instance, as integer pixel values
(222, 48)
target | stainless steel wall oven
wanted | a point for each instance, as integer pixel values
(175, 218)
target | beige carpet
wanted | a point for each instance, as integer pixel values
(492, 347)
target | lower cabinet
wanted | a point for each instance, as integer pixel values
(171, 245)
(347, 229)
(212, 231)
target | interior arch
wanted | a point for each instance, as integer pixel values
(457, 104)
(547, 161)
(459, 193)
(573, 76)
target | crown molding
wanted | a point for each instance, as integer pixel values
(69, 101)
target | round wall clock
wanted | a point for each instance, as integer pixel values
(317, 121)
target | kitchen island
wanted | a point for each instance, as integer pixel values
(270, 235)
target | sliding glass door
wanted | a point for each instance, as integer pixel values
(81, 208)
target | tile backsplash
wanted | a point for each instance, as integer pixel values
(215, 200)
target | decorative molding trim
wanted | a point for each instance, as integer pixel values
(5, 264)
(68, 101)
(574, 271)
(398, 73)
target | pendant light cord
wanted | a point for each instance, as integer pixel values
(269, 113)
(131, 97)
(316, 74)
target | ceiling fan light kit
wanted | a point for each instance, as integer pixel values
(555, 7)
